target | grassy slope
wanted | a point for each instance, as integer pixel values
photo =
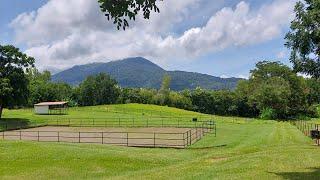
(243, 150)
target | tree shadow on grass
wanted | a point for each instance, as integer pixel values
(314, 173)
(14, 123)
(209, 147)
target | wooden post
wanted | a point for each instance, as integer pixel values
(38, 136)
(58, 136)
(79, 137)
(154, 139)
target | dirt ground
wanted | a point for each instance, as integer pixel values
(143, 137)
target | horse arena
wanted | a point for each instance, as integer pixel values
(174, 137)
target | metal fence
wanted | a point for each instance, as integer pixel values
(196, 130)
(179, 122)
(129, 122)
(134, 139)
(306, 128)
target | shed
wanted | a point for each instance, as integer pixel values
(51, 107)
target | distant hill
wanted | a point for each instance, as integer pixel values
(140, 72)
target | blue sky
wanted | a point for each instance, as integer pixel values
(222, 37)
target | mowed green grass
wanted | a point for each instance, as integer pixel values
(243, 149)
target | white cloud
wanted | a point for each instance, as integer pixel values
(282, 54)
(67, 32)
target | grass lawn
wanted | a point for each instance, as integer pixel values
(243, 149)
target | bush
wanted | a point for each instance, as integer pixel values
(268, 114)
(313, 111)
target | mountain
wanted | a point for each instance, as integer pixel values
(139, 72)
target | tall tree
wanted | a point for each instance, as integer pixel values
(119, 11)
(304, 38)
(42, 89)
(164, 91)
(98, 90)
(274, 85)
(13, 80)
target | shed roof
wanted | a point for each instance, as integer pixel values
(51, 103)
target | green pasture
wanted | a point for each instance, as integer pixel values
(243, 149)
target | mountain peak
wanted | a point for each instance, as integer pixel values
(139, 72)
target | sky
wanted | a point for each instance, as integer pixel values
(224, 38)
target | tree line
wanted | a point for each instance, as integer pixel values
(273, 91)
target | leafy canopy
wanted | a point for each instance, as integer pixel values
(304, 38)
(97, 90)
(120, 10)
(274, 86)
(13, 81)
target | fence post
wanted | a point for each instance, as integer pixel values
(184, 140)
(187, 138)
(38, 136)
(154, 139)
(190, 137)
(215, 130)
(79, 137)
(127, 139)
(197, 134)
(58, 136)
(102, 138)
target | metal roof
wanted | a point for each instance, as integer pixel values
(51, 103)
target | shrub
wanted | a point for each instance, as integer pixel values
(268, 114)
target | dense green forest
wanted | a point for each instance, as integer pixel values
(273, 91)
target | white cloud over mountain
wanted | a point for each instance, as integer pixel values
(67, 32)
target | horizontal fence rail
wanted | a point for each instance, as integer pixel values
(108, 122)
(306, 128)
